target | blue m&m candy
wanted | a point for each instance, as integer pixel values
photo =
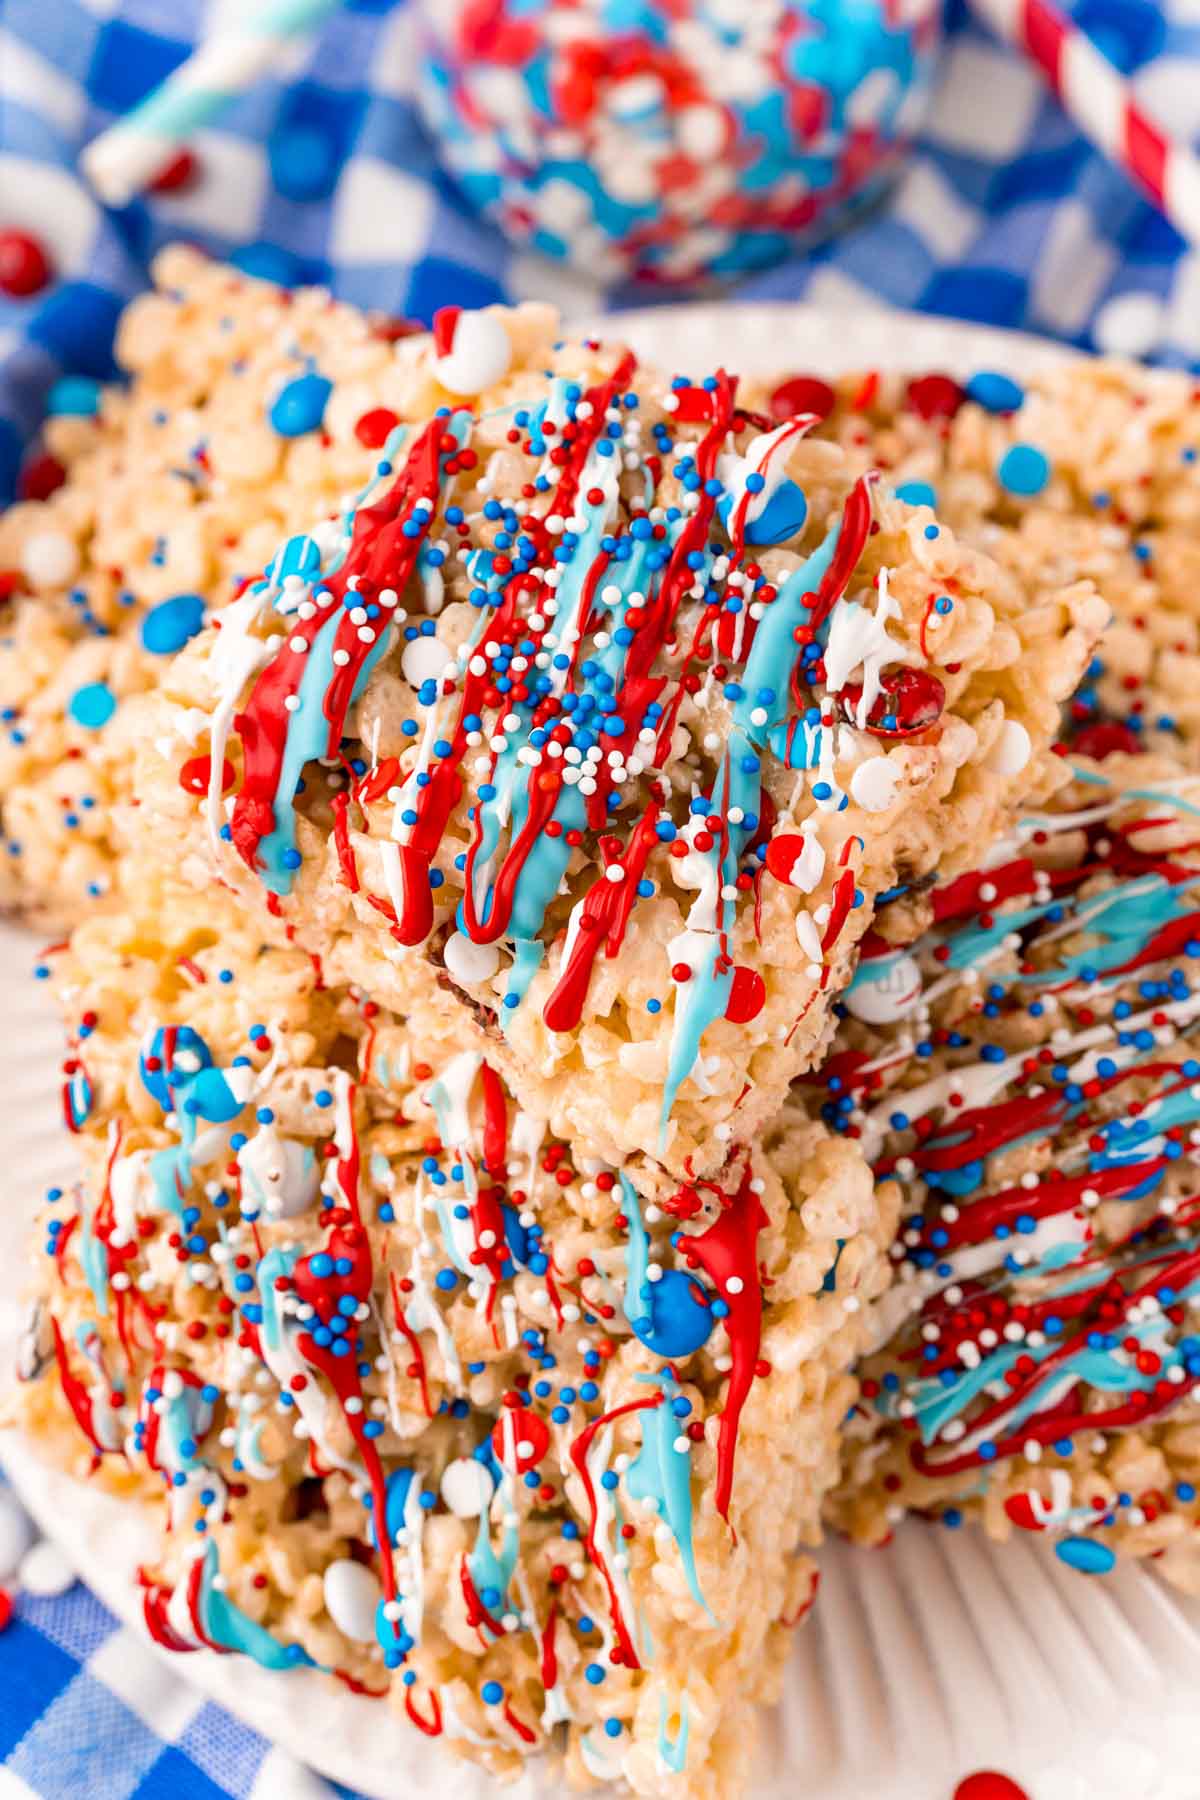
(1024, 470)
(677, 1318)
(168, 626)
(300, 406)
(1086, 1555)
(92, 705)
(996, 393)
(74, 396)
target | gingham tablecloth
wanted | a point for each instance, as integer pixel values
(1005, 216)
(89, 1710)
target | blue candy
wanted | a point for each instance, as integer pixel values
(916, 493)
(678, 1318)
(995, 392)
(1024, 470)
(92, 706)
(1085, 1554)
(74, 396)
(213, 1098)
(395, 1500)
(168, 626)
(300, 406)
(188, 1043)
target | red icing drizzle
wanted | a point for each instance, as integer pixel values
(381, 557)
(729, 1250)
(625, 1653)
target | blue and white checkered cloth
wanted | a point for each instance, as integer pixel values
(1005, 216)
(89, 1708)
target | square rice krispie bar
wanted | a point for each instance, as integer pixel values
(1027, 1073)
(422, 1398)
(603, 718)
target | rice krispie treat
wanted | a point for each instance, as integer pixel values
(251, 412)
(1089, 470)
(423, 1400)
(1028, 1074)
(606, 716)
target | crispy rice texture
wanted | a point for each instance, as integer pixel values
(1037, 1365)
(698, 1064)
(180, 485)
(1120, 507)
(286, 1484)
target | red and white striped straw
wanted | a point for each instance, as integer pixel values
(1102, 103)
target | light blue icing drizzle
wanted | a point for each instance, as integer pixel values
(279, 1261)
(937, 1401)
(705, 996)
(93, 1259)
(1127, 917)
(662, 1473)
(773, 651)
(491, 1570)
(307, 738)
(307, 725)
(673, 1752)
(226, 1624)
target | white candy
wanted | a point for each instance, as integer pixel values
(896, 992)
(480, 356)
(45, 1571)
(424, 659)
(1011, 750)
(279, 1174)
(49, 559)
(873, 784)
(352, 1593)
(466, 1487)
(468, 961)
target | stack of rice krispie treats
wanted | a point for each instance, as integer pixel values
(1017, 1052)
(486, 813)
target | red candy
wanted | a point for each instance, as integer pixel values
(747, 996)
(1106, 738)
(374, 428)
(986, 1784)
(25, 267)
(526, 1440)
(40, 476)
(1019, 1508)
(782, 853)
(802, 394)
(180, 172)
(194, 775)
(913, 697)
(935, 396)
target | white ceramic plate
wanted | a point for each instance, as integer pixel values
(922, 1663)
